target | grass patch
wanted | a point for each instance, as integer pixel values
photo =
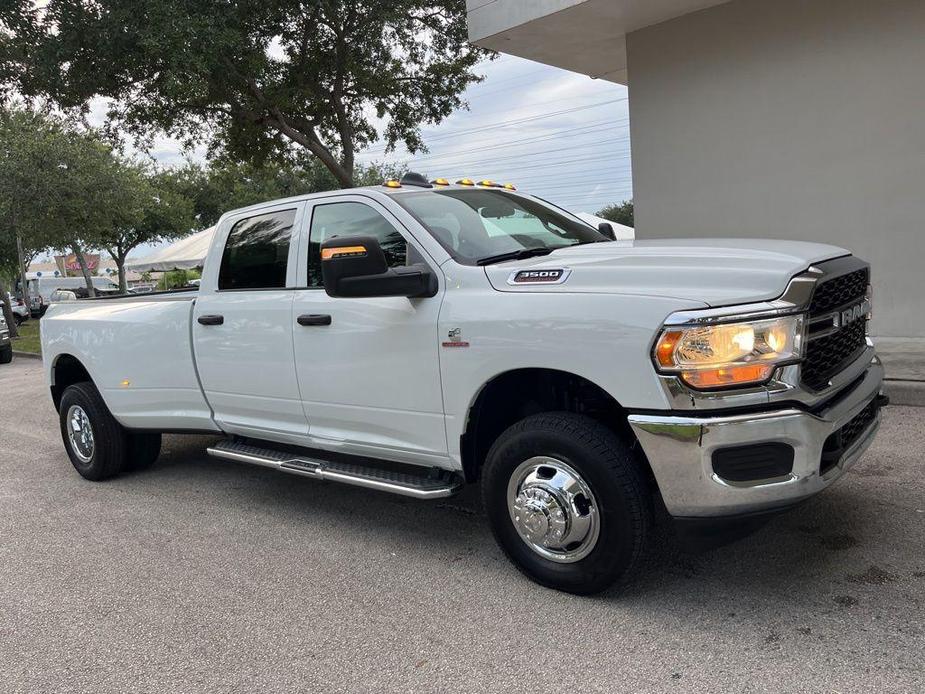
(28, 340)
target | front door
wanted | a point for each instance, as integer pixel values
(368, 369)
(242, 328)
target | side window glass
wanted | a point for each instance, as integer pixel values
(257, 252)
(352, 219)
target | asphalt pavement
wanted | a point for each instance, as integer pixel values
(200, 575)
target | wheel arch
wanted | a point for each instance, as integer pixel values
(512, 395)
(66, 370)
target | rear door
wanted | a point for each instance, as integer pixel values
(368, 368)
(242, 325)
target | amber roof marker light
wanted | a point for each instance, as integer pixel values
(392, 184)
(440, 182)
(465, 182)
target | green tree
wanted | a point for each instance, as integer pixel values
(621, 213)
(226, 185)
(156, 211)
(60, 188)
(253, 79)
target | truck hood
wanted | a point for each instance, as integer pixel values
(716, 272)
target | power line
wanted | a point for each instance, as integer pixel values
(463, 158)
(589, 129)
(520, 121)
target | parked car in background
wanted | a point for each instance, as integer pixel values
(420, 336)
(41, 289)
(18, 307)
(6, 345)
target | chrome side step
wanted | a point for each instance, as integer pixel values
(434, 486)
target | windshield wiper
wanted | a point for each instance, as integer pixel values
(514, 255)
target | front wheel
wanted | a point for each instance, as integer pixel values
(6, 354)
(567, 502)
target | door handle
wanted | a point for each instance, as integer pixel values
(211, 320)
(314, 319)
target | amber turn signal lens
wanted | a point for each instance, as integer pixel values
(664, 351)
(728, 376)
(331, 253)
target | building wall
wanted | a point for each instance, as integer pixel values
(798, 119)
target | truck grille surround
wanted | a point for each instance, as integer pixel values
(829, 353)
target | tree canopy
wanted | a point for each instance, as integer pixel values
(621, 213)
(60, 187)
(255, 79)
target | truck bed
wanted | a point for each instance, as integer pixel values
(138, 351)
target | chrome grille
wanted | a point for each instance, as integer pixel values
(829, 352)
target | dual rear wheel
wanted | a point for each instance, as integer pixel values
(98, 446)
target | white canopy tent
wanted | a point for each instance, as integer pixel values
(185, 254)
(623, 232)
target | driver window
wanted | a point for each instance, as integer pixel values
(352, 219)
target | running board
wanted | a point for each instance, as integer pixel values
(436, 485)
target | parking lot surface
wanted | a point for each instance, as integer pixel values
(200, 575)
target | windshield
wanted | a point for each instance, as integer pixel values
(476, 225)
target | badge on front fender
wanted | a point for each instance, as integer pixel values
(545, 276)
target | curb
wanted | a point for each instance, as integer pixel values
(911, 393)
(26, 355)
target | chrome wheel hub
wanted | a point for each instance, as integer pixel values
(553, 509)
(80, 433)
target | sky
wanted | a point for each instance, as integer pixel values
(550, 132)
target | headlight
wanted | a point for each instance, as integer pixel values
(729, 354)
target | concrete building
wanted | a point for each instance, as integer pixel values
(799, 119)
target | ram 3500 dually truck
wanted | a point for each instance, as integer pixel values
(420, 336)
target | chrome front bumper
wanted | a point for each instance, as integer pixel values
(680, 451)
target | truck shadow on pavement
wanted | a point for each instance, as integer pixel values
(820, 556)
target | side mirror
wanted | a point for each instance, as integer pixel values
(355, 267)
(607, 230)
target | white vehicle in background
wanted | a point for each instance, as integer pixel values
(19, 310)
(420, 336)
(42, 287)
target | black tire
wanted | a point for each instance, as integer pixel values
(6, 354)
(607, 467)
(144, 449)
(110, 445)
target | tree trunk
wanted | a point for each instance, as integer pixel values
(91, 290)
(8, 310)
(23, 268)
(120, 266)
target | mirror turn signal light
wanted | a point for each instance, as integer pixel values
(343, 251)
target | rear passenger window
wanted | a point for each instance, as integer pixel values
(257, 252)
(352, 219)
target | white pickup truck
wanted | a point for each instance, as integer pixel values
(420, 336)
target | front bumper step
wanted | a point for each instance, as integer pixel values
(435, 485)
